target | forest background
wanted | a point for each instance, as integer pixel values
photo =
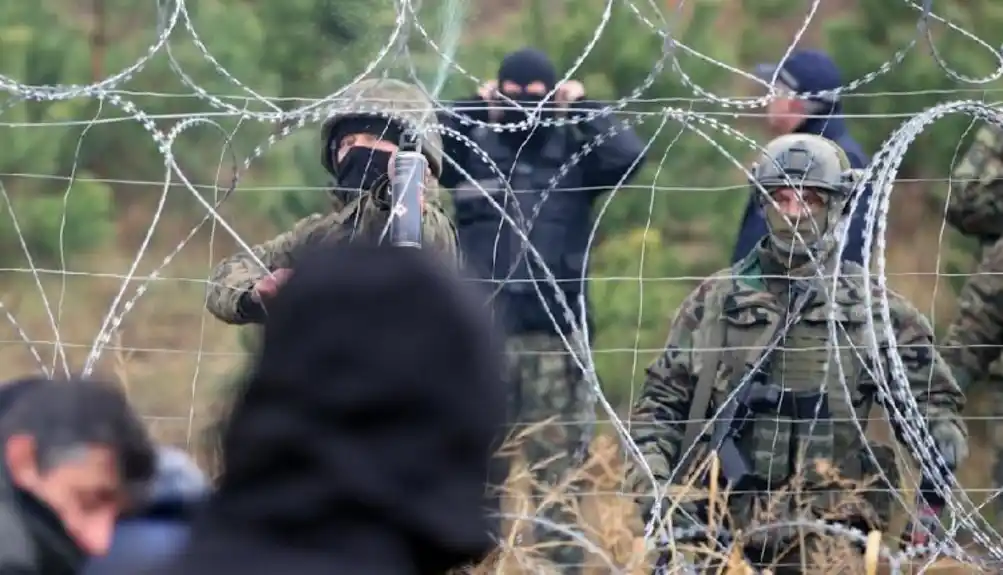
(85, 179)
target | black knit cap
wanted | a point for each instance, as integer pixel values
(371, 414)
(526, 66)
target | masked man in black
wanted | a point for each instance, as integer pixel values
(554, 210)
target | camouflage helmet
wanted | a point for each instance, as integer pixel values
(399, 101)
(805, 160)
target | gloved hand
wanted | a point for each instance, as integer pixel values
(951, 441)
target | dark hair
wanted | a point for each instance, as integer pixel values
(63, 415)
(377, 398)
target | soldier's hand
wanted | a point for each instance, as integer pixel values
(268, 286)
(951, 442)
(487, 90)
(570, 91)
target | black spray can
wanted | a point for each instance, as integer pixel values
(406, 191)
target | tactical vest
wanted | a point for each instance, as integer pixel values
(559, 231)
(813, 417)
(804, 427)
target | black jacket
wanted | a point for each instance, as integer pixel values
(552, 205)
(32, 538)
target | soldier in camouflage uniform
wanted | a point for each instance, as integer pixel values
(799, 421)
(358, 147)
(973, 344)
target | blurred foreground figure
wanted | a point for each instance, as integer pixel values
(974, 341)
(361, 440)
(806, 72)
(785, 430)
(554, 210)
(159, 527)
(358, 149)
(75, 457)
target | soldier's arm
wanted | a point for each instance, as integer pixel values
(930, 379)
(619, 156)
(974, 337)
(440, 233)
(975, 203)
(452, 146)
(658, 418)
(232, 280)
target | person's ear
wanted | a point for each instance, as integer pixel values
(20, 455)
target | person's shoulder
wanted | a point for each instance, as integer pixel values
(715, 285)
(854, 152)
(902, 312)
(990, 134)
(17, 550)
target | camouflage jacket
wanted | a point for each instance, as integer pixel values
(734, 304)
(974, 337)
(975, 204)
(236, 275)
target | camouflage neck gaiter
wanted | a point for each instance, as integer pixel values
(814, 238)
(800, 238)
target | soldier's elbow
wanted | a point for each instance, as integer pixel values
(221, 307)
(219, 312)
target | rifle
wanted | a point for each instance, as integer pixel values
(735, 468)
(755, 395)
(406, 191)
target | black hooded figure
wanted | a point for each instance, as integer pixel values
(525, 68)
(552, 205)
(362, 440)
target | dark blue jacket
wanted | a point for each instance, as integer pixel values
(558, 224)
(160, 530)
(754, 224)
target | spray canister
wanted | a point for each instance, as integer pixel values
(406, 191)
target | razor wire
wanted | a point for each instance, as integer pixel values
(174, 21)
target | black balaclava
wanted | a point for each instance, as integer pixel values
(363, 168)
(524, 67)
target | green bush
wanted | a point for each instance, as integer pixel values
(57, 225)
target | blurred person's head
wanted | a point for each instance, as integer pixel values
(76, 450)
(804, 72)
(363, 437)
(359, 142)
(158, 527)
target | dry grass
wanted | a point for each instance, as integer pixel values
(172, 358)
(611, 523)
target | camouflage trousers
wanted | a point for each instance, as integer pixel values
(989, 412)
(551, 404)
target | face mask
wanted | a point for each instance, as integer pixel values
(810, 228)
(363, 168)
(527, 103)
